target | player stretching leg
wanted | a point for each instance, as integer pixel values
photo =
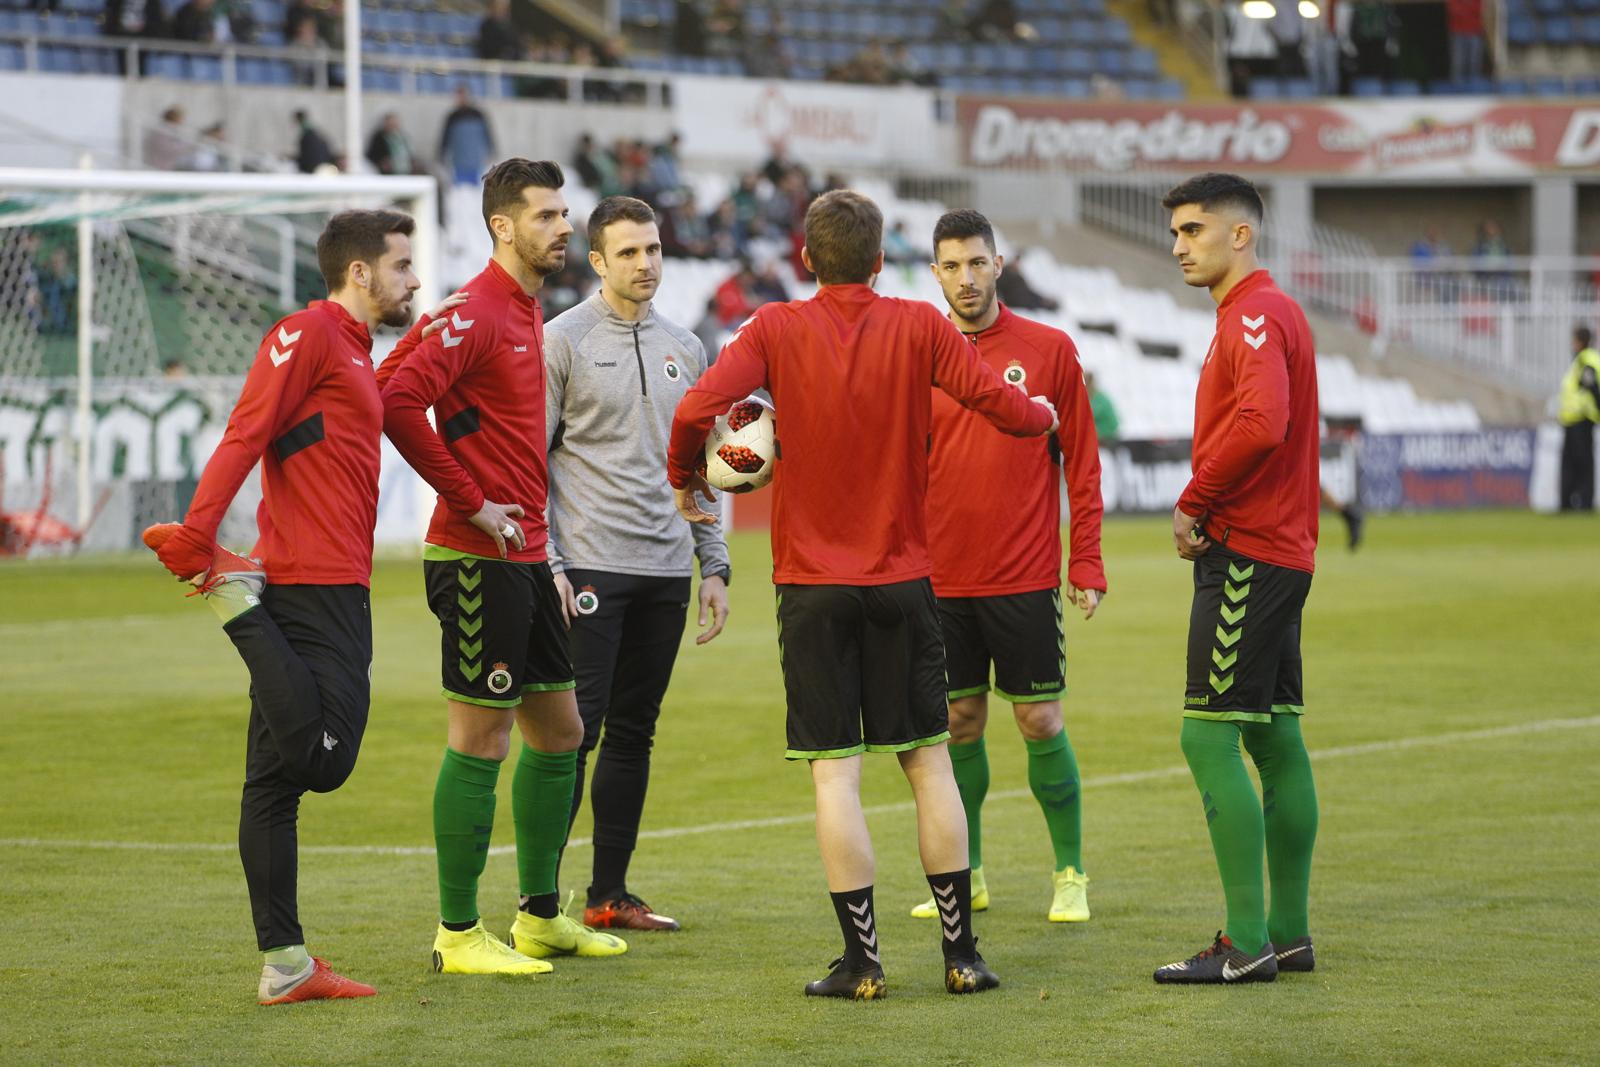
(621, 553)
(863, 663)
(504, 645)
(1248, 522)
(994, 531)
(310, 412)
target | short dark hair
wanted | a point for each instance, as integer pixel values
(616, 209)
(1584, 336)
(960, 225)
(357, 237)
(844, 234)
(1214, 190)
(503, 185)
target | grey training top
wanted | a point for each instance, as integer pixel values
(612, 388)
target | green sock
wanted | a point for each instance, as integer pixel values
(463, 816)
(290, 959)
(1053, 777)
(1289, 806)
(541, 801)
(1233, 813)
(970, 763)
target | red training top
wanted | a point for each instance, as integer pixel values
(484, 377)
(849, 372)
(994, 502)
(310, 395)
(1255, 459)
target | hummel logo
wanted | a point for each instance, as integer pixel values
(460, 323)
(285, 338)
(1230, 973)
(357, 362)
(945, 891)
(519, 348)
(1254, 340)
(328, 741)
(448, 339)
(280, 358)
(859, 911)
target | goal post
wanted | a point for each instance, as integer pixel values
(120, 290)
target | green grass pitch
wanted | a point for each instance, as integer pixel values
(1451, 685)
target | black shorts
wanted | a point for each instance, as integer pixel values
(501, 628)
(1021, 634)
(1244, 639)
(863, 668)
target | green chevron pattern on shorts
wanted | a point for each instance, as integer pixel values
(1061, 634)
(1234, 593)
(470, 620)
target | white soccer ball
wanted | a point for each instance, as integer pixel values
(742, 448)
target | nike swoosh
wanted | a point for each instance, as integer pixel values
(1231, 974)
(1290, 952)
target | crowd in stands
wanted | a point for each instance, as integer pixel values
(1347, 46)
(48, 280)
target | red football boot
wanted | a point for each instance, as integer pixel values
(178, 550)
(626, 912)
(321, 984)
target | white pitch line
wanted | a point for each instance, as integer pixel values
(1398, 744)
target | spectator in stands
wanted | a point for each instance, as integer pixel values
(1373, 35)
(58, 295)
(330, 26)
(1102, 410)
(211, 154)
(1425, 250)
(1015, 292)
(134, 18)
(1491, 254)
(1251, 49)
(389, 150)
(1288, 36)
(206, 22)
(766, 57)
(313, 152)
(905, 70)
(725, 28)
(666, 174)
(897, 246)
(497, 35)
(995, 20)
(166, 145)
(709, 330)
(1322, 51)
(688, 29)
(466, 142)
(735, 298)
(1465, 21)
(727, 233)
(305, 43)
(768, 287)
(1579, 413)
(588, 161)
(683, 231)
(297, 12)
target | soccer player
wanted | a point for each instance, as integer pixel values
(1248, 522)
(863, 664)
(994, 532)
(622, 555)
(504, 645)
(310, 413)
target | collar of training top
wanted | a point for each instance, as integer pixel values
(501, 277)
(598, 299)
(356, 331)
(1256, 279)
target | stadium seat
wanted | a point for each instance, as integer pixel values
(1299, 89)
(1548, 86)
(1366, 87)
(1521, 30)
(1550, 7)
(1589, 30)
(11, 56)
(1264, 88)
(1559, 31)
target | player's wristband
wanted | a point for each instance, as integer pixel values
(725, 572)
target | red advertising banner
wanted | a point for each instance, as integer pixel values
(1421, 138)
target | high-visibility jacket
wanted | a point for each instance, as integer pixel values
(1580, 389)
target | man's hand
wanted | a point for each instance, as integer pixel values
(569, 603)
(1186, 535)
(497, 520)
(186, 552)
(437, 319)
(687, 507)
(1055, 419)
(713, 599)
(1086, 600)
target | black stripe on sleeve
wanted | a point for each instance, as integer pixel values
(303, 434)
(460, 424)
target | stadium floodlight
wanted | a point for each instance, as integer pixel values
(1258, 9)
(108, 278)
(1310, 10)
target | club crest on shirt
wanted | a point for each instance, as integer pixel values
(1014, 374)
(499, 678)
(587, 600)
(672, 370)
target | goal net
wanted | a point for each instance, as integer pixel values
(131, 304)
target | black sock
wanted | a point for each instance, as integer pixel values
(542, 905)
(459, 927)
(952, 894)
(610, 873)
(860, 929)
